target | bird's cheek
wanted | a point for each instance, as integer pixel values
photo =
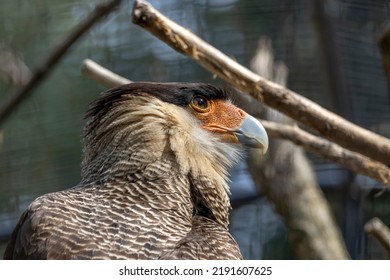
(224, 133)
(228, 137)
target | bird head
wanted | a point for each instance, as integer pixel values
(191, 127)
(209, 106)
(218, 116)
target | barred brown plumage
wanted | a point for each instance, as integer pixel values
(154, 179)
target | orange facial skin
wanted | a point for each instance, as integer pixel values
(218, 116)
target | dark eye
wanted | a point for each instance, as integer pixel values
(200, 103)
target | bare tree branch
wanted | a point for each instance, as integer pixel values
(285, 175)
(102, 75)
(326, 149)
(54, 57)
(297, 107)
(330, 151)
(380, 231)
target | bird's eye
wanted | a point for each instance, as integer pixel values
(200, 104)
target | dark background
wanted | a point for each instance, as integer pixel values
(329, 47)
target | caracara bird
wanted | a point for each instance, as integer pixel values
(154, 179)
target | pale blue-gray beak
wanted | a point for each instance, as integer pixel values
(251, 133)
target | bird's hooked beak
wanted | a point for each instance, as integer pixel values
(230, 123)
(251, 133)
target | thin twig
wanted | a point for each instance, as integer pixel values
(380, 231)
(324, 148)
(292, 104)
(14, 99)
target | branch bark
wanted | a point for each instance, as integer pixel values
(285, 175)
(329, 151)
(14, 99)
(102, 75)
(328, 124)
(380, 231)
(286, 178)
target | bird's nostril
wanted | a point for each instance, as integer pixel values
(241, 113)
